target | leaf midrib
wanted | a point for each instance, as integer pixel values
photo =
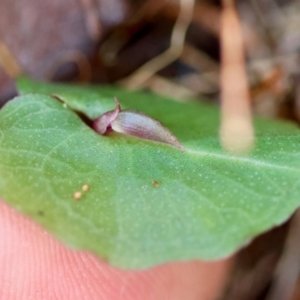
(241, 159)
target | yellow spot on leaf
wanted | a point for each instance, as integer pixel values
(155, 183)
(85, 188)
(77, 195)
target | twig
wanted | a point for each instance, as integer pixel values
(163, 86)
(198, 59)
(236, 132)
(201, 84)
(205, 15)
(145, 72)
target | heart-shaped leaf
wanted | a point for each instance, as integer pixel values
(136, 202)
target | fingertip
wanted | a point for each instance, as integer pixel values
(37, 266)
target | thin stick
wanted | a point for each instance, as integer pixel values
(236, 131)
(145, 72)
(163, 86)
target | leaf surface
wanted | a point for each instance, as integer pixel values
(148, 202)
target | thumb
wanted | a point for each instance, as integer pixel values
(34, 265)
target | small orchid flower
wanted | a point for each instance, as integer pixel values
(136, 124)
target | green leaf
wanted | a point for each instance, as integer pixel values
(148, 202)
